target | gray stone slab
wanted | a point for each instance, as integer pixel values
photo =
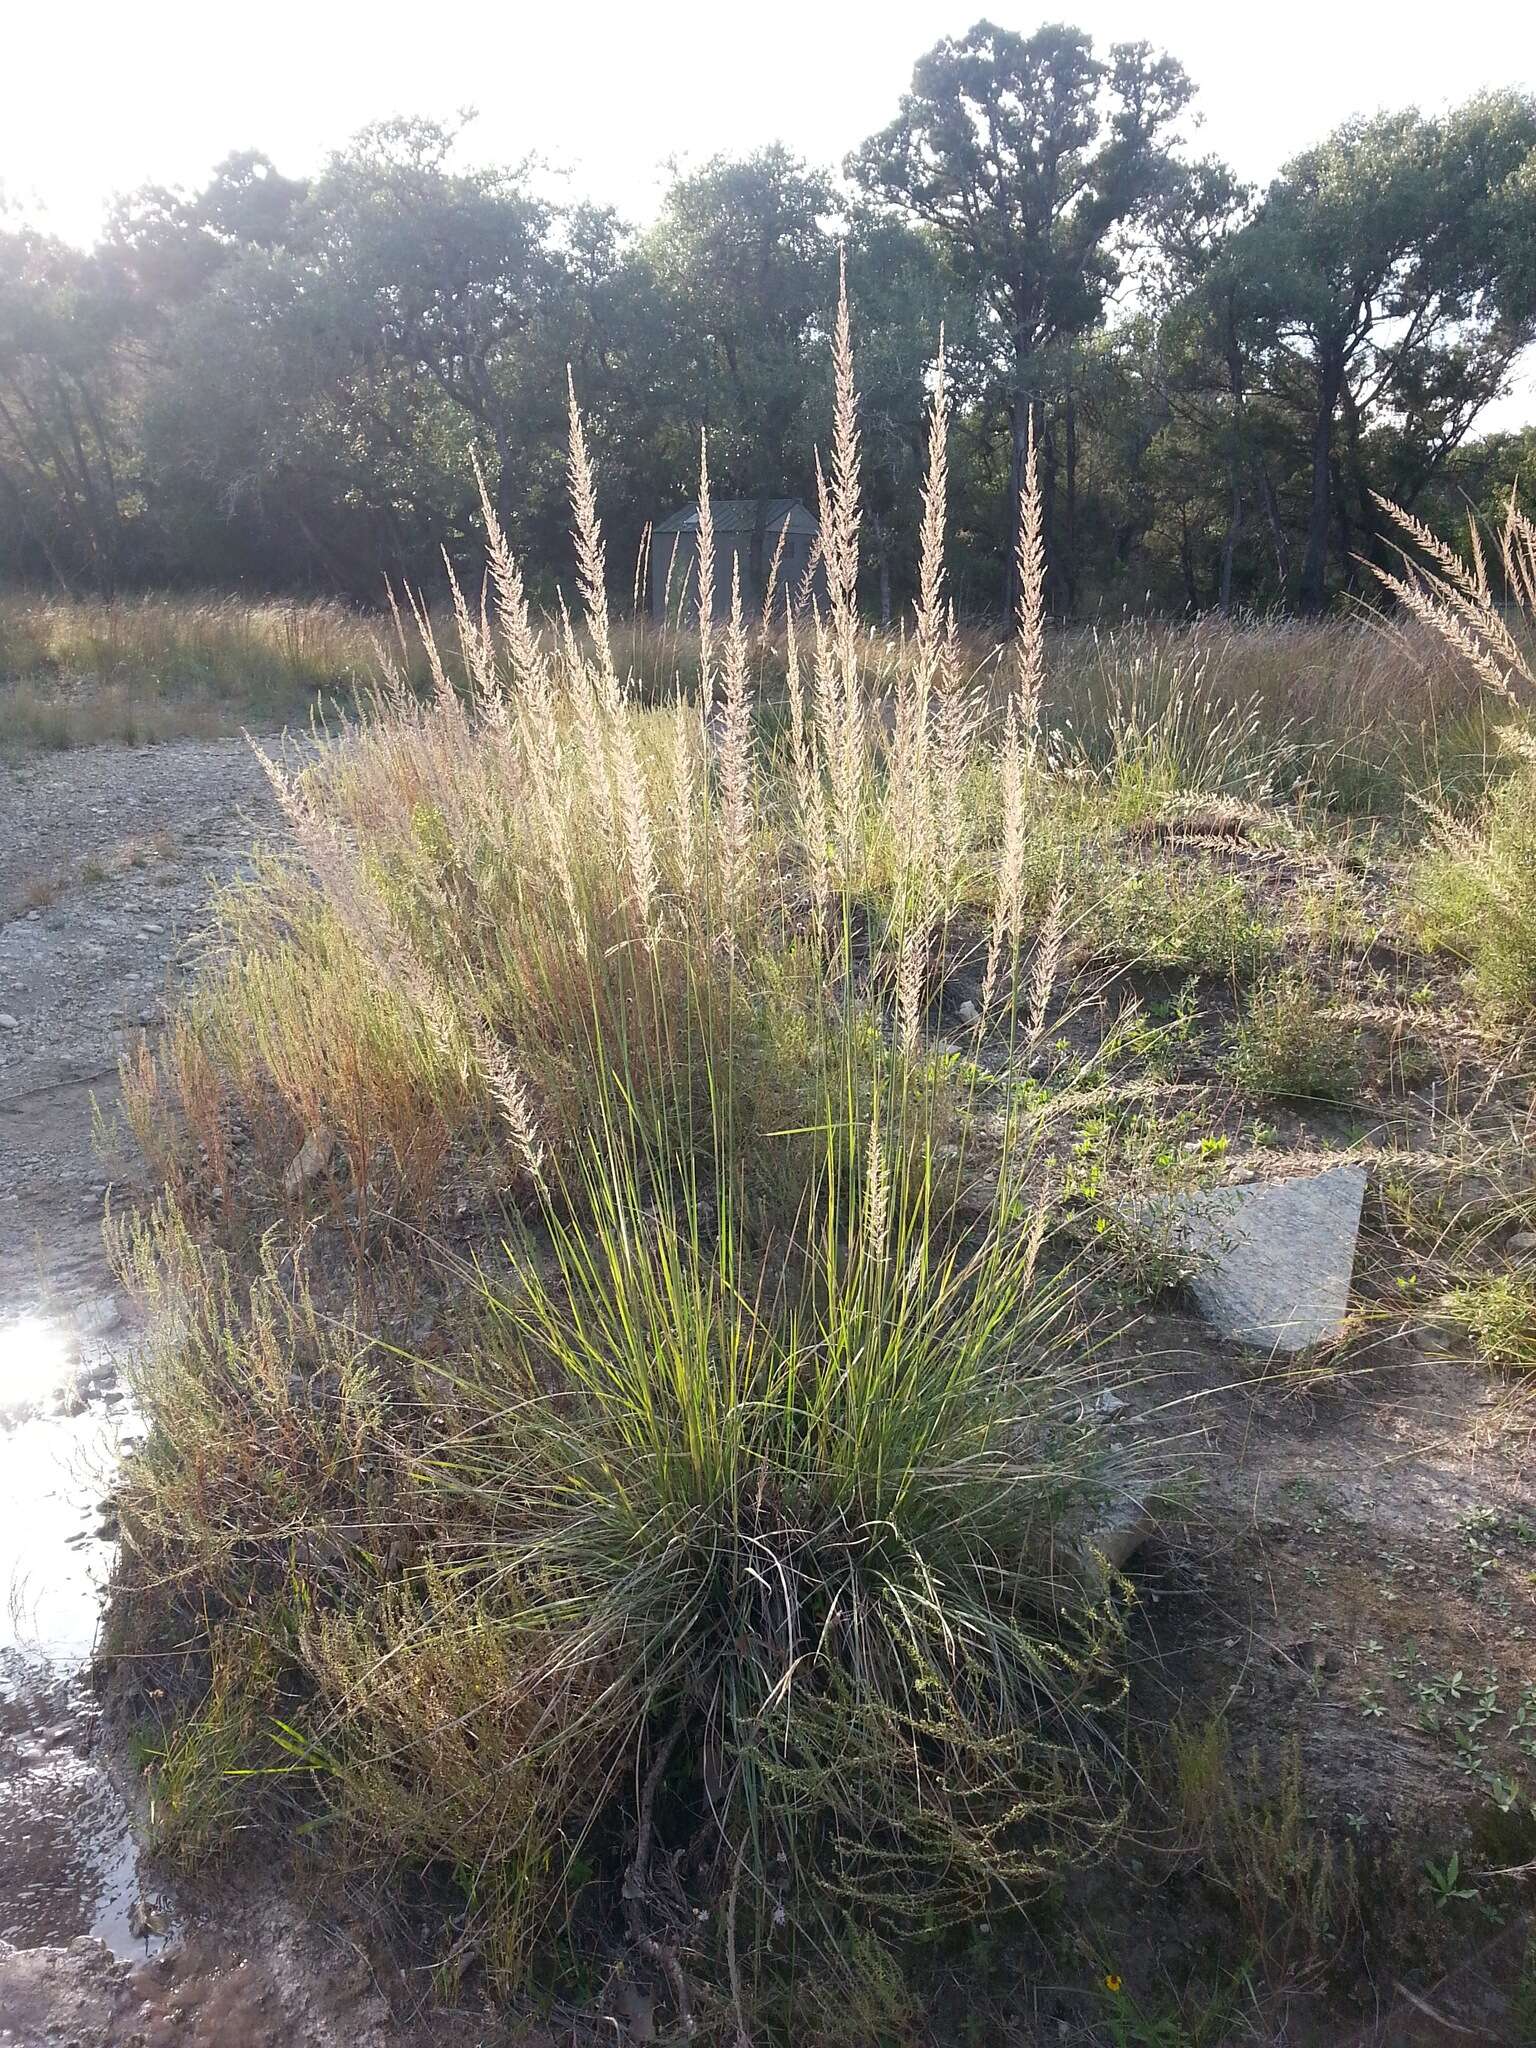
(1273, 1263)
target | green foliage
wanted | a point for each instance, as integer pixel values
(275, 382)
(1200, 918)
(728, 1494)
(1293, 1890)
(1498, 1312)
(1290, 1041)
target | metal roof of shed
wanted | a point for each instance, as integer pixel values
(743, 515)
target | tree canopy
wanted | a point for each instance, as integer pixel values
(284, 382)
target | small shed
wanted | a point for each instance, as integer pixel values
(747, 533)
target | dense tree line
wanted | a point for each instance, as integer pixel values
(278, 382)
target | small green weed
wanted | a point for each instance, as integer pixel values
(1498, 1313)
(1444, 1882)
(1199, 918)
(1289, 1043)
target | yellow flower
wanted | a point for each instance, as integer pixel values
(1111, 1981)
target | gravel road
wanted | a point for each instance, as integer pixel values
(106, 857)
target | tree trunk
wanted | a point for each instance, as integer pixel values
(1019, 415)
(1237, 387)
(1187, 562)
(1058, 594)
(1368, 530)
(1229, 543)
(1314, 568)
(1271, 506)
(1069, 534)
(506, 478)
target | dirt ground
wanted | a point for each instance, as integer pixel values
(1352, 1581)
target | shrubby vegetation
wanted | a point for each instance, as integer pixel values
(275, 383)
(646, 1174)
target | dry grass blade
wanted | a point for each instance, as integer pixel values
(704, 575)
(591, 563)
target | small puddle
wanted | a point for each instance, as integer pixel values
(68, 1865)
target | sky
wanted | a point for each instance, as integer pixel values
(107, 95)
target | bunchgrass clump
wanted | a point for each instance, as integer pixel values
(685, 1560)
(1477, 885)
(1475, 893)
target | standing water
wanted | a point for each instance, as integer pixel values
(67, 1860)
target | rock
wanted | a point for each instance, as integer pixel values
(309, 1162)
(8, 1022)
(1108, 1405)
(636, 2013)
(96, 1318)
(145, 1920)
(969, 1014)
(1273, 1263)
(1107, 1546)
(1522, 1243)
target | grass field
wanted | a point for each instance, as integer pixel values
(1358, 715)
(650, 1195)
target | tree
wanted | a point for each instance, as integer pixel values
(745, 263)
(69, 392)
(1207, 298)
(1029, 156)
(1393, 267)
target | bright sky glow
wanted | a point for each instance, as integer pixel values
(104, 96)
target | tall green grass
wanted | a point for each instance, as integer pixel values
(618, 1439)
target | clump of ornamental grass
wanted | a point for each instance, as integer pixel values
(715, 1555)
(1474, 892)
(781, 1549)
(1476, 886)
(507, 903)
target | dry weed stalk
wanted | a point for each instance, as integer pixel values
(1458, 605)
(736, 750)
(775, 569)
(1021, 728)
(704, 575)
(810, 797)
(366, 915)
(840, 692)
(1029, 635)
(591, 562)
